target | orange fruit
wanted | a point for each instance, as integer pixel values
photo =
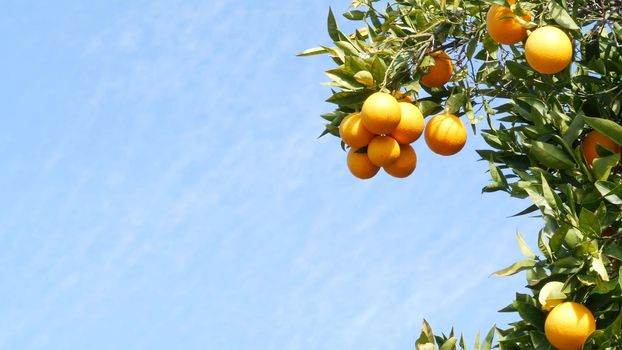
(548, 50)
(405, 163)
(439, 73)
(353, 133)
(410, 127)
(380, 113)
(588, 146)
(445, 134)
(383, 150)
(360, 166)
(503, 27)
(568, 326)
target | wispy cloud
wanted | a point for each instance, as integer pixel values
(174, 196)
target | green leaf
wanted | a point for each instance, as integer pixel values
(568, 262)
(518, 70)
(364, 77)
(378, 69)
(426, 338)
(551, 156)
(518, 266)
(342, 79)
(313, 51)
(589, 223)
(333, 30)
(601, 167)
(487, 343)
(539, 342)
(496, 175)
(558, 237)
(349, 98)
(354, 15)
(530, 314)
(428, 107)
(561, 16)
(616, 325)
(454, 102)
(599, 267)
(606, 127)
(527, 210)
(491, 46)
(471, 47)
(548, 194)
(450, 344)
(524, 248)
(347, 48)
(543, 245)
(574, 130)
(610, 191)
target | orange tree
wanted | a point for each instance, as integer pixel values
(543, 78)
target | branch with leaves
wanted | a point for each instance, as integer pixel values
(554, 138)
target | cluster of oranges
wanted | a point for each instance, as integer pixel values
(380, 136)
(548, 49)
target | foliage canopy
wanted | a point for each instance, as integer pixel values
(534, 124)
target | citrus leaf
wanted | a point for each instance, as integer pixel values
(610, 191)
(450, 344)
(313, 51)
(349, 98)
(561, 16)
(527, 210)
(599, 267)
(538, 340)
(530, 314)
(518, 70)
(574, 130)
(589, 223)
(518, 266)
(364, 77)
(428, 107)
(378, 69)
(524, 248)
(606, 127)
(354, 15)
(558, 238)
(602, 166)
(454, 102)
(333, 30)
(551, 156)
(426, 338)
(487, 344)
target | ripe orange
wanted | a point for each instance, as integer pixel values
(439, 73)
(405, 163)
(503, 27)
(588, 146)
(445, 134)
(360, 166)
(569, 325)
(380, 113)
(548, 50)
(410, 127)
(353, 133)
(383, 150)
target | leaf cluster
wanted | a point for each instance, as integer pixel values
(534, 126)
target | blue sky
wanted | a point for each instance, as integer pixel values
(163, 188)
